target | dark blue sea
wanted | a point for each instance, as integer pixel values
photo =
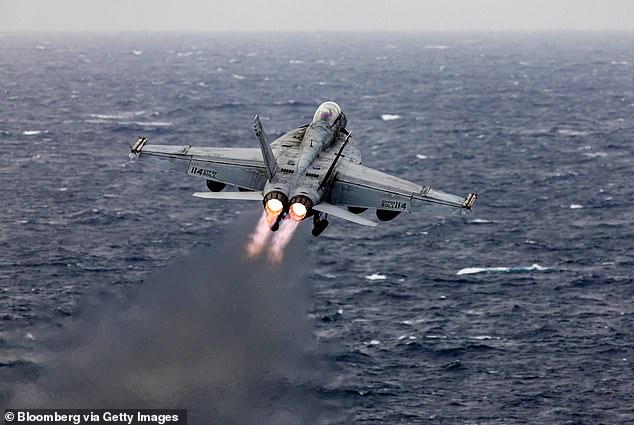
(119, 289)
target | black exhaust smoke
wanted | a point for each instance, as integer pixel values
(227, 338)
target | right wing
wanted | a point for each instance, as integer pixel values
(355, 185)
(242, 167)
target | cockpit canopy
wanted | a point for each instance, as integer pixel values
(327, 112)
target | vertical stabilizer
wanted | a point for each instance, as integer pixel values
(265, 145)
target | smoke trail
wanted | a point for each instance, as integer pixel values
(226, 339)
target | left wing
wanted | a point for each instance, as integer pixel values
(235, 196)
(243, 167)
(355, 185)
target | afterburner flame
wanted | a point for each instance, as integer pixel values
(273, 209)
(271, 219)
(274, 206)
(259, 236)
(281, 239)
(263, 238)
(298, 211)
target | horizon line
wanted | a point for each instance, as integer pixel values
(317, 31)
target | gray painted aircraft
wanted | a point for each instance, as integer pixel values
(312, 171)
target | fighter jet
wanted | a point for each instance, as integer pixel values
(312, 171)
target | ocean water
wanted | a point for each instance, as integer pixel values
(118, 289)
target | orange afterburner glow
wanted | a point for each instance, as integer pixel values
(274, 206)
(273, 209)
(281, 239)
(259, 237)
(274, 218)
(275, 242)
(298, 211)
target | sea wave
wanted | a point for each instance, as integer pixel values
(520, 269)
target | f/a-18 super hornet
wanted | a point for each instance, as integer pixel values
(312, 171)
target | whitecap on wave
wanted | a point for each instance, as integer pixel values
(476, 270)
(595, 154)
(480, 221)
(125, 118)
(31, 132)
(572, 133)
(117, 115)
(390, 117)
(376, 276)
(151, 123)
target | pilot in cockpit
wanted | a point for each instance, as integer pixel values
(325, 115)
(327, 112)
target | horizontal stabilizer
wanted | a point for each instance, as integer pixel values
(239, 196)
(330, 209)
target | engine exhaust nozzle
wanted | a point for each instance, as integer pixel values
(275, 202)
(300, 207)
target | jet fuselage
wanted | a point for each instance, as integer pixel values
(296, 187)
